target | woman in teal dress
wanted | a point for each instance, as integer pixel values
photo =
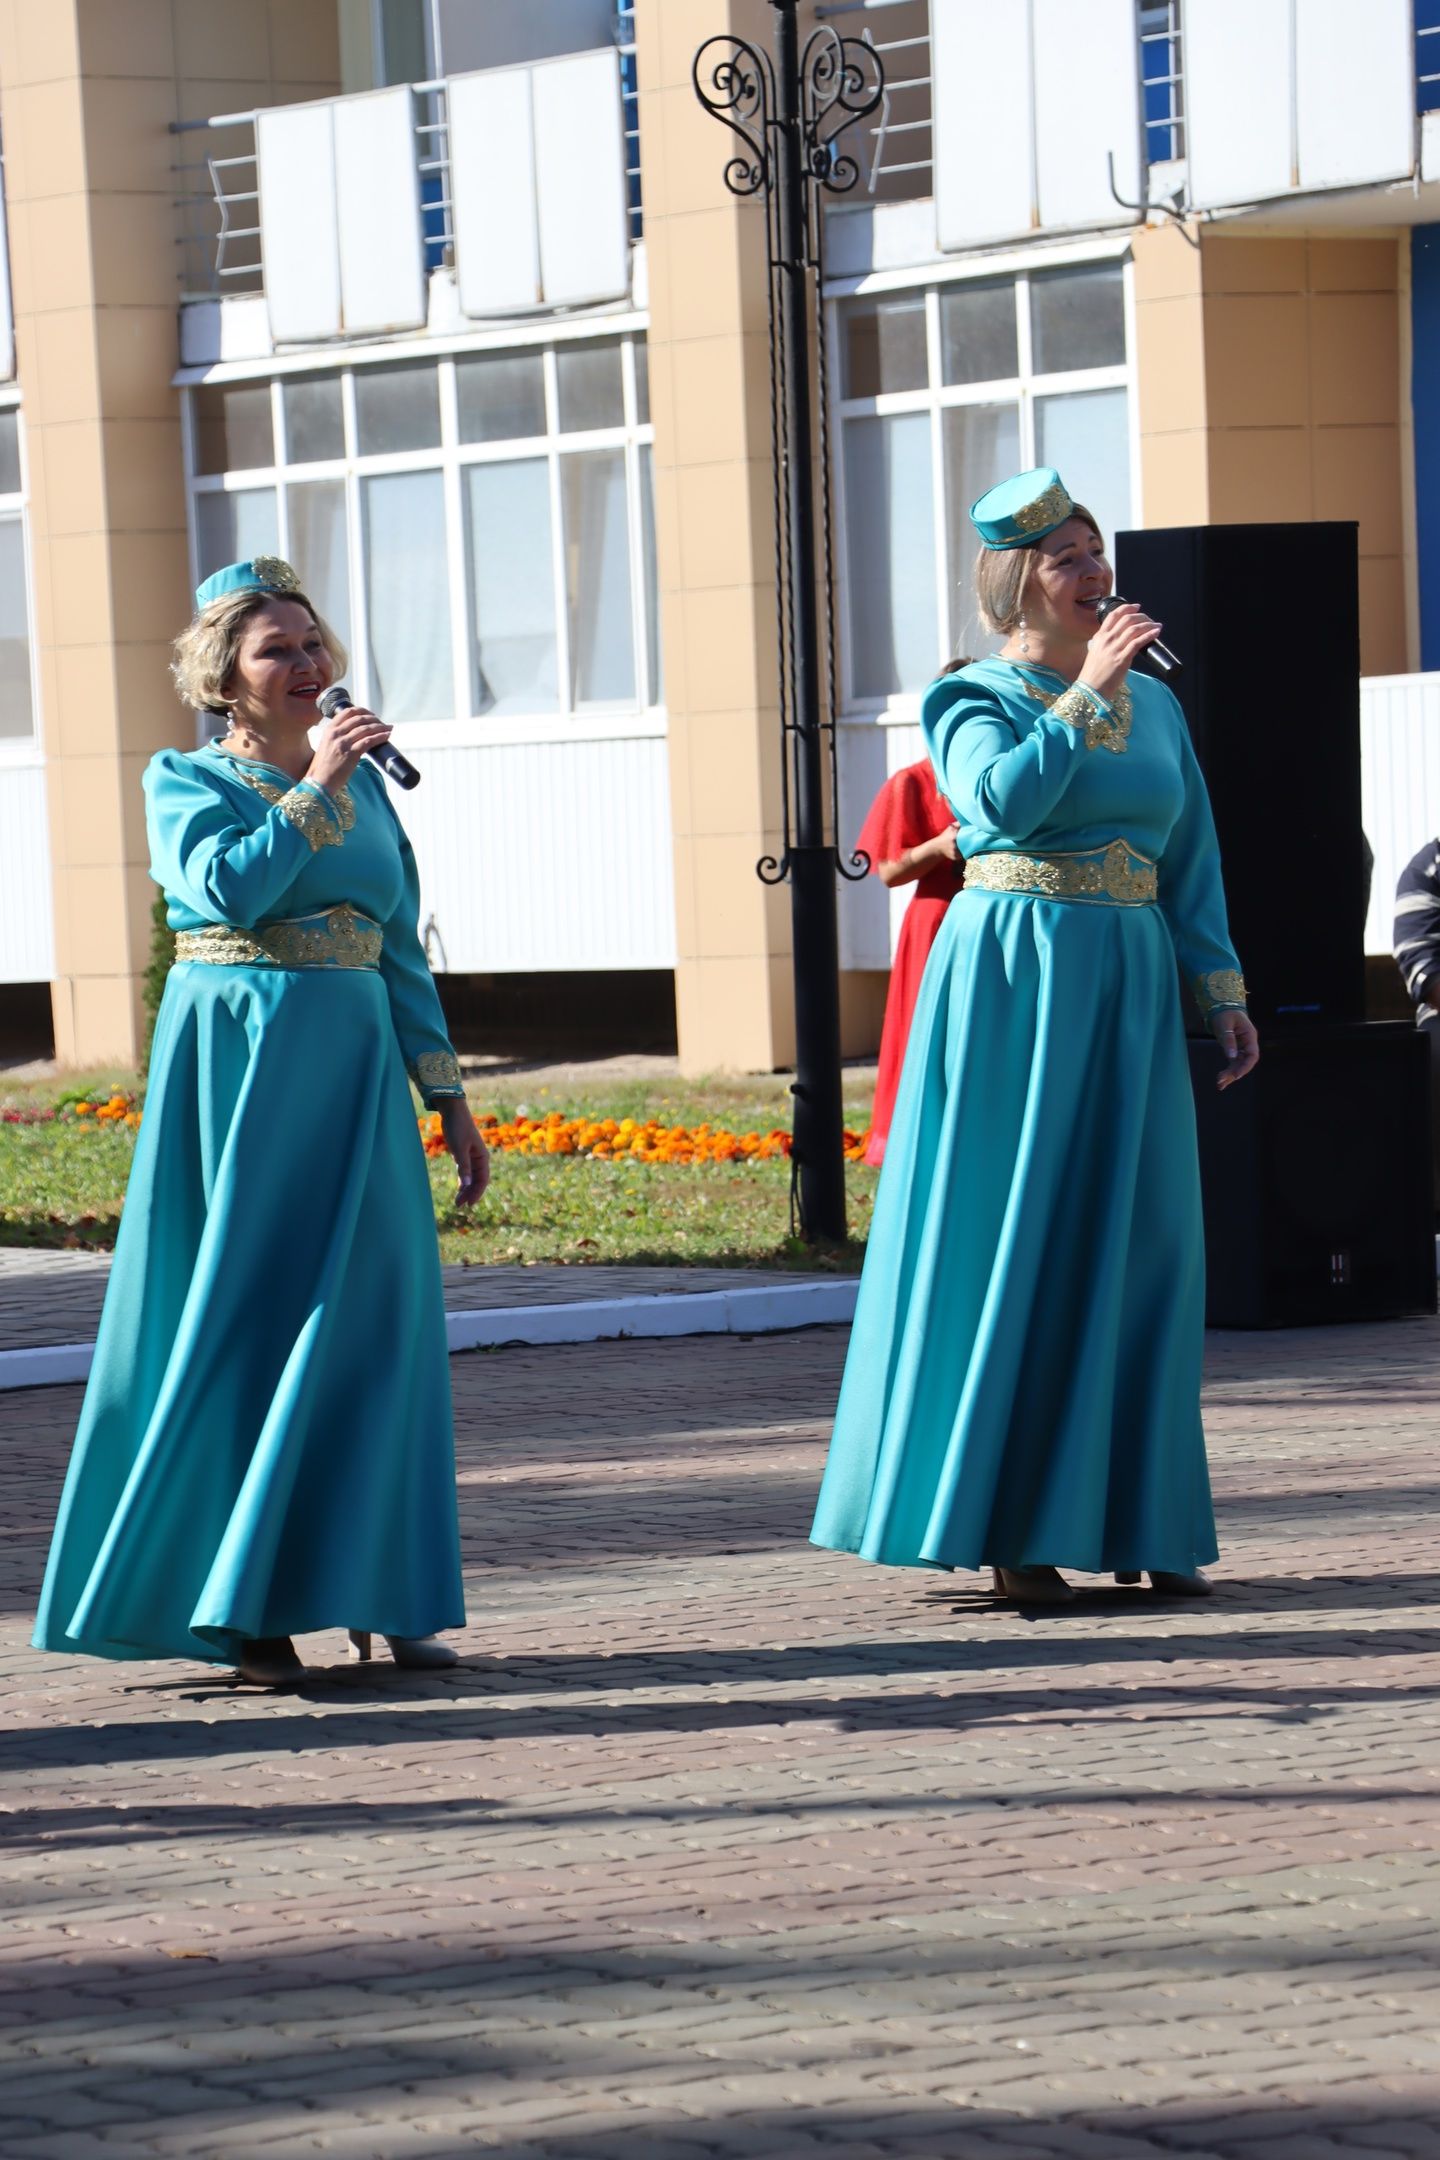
(1022, 1390)
(265, 1447)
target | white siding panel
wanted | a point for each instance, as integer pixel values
(864, 910)
(295, 148)
(1399, 784)
(377, 186)
(1354, 92)
(27, 936)
(599, 893)
(984, 152)
(580, 179)
(492, 159)
(1087, 110)
(1238, 63)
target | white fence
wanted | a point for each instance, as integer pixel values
(27, 942)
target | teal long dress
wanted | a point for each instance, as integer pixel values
(266, 1445)
(1023, 1380)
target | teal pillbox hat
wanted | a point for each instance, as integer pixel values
(264, 573)
(1016, 512)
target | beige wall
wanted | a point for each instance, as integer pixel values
(88, 89)
(1269, 385)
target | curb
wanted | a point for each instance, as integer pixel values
(767, 1310)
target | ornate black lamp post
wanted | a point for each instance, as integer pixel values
(788, 114)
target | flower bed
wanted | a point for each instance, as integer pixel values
(628, 1140)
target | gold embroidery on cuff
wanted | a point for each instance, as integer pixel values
(1118, 873)
(1076, 706)
(323, 818)
(1224, 986)
(437, 1072)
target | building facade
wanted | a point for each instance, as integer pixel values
(448, 304)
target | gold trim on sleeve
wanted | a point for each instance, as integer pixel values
(437, 1072)
(1079, 707)
(323, 818)
(1224, 986)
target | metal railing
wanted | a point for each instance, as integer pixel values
(219, 201)
(899, 157)
(1427, 59)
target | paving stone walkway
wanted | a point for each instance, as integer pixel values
(55, 1297)
(721, 1846)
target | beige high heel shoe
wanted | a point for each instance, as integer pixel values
(413, 1653)
(1032, 1585)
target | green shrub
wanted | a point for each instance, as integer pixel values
(162, 959)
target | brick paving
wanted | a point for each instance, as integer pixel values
(720, 1846)
(55, 1297)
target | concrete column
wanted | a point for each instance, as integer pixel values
(709, 375)
(88, 89)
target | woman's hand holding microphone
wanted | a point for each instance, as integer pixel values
(341, 742)
(1115, 647)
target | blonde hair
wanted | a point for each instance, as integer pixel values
(203, 656)
(1001, 575)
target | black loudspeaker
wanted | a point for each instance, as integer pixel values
(1315, 1178)
(1266, 619)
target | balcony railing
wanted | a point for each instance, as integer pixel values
(218, 202)
(899, 165)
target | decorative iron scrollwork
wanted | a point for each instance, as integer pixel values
(841, 81)
(736, 83)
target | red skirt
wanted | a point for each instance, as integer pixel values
(919, 928)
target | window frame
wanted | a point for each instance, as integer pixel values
(643, 715)
(19, 751)
(936, 397)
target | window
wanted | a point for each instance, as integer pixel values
(943, 393)
(17, 701)
(479, 530)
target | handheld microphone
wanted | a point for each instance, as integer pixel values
(1160, 657)
(392, 763)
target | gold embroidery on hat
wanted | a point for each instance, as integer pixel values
(274, 573)
(1047, 510)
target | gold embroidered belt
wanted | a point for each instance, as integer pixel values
(1119, 874)
(337, 937)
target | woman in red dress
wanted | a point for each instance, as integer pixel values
(910, 837)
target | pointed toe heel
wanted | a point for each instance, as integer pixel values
(1032, 1585)
(421, 1653)
(269, 1661)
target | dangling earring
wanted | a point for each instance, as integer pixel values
(1024, 639)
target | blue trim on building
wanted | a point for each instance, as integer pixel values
(1425, 406)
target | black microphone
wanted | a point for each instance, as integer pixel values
(392, 763)
(1159, 656)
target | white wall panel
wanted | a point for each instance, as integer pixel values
(580, 179)
(377, 188)
(7, 316)
(1354, 92)
(27, 935)
(984, 153)
(1399, 784)
(1238, 65)
(295, 149)
(1087, 109)
(492, 159)
(598, 894)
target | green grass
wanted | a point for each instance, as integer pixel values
(63, 1185)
